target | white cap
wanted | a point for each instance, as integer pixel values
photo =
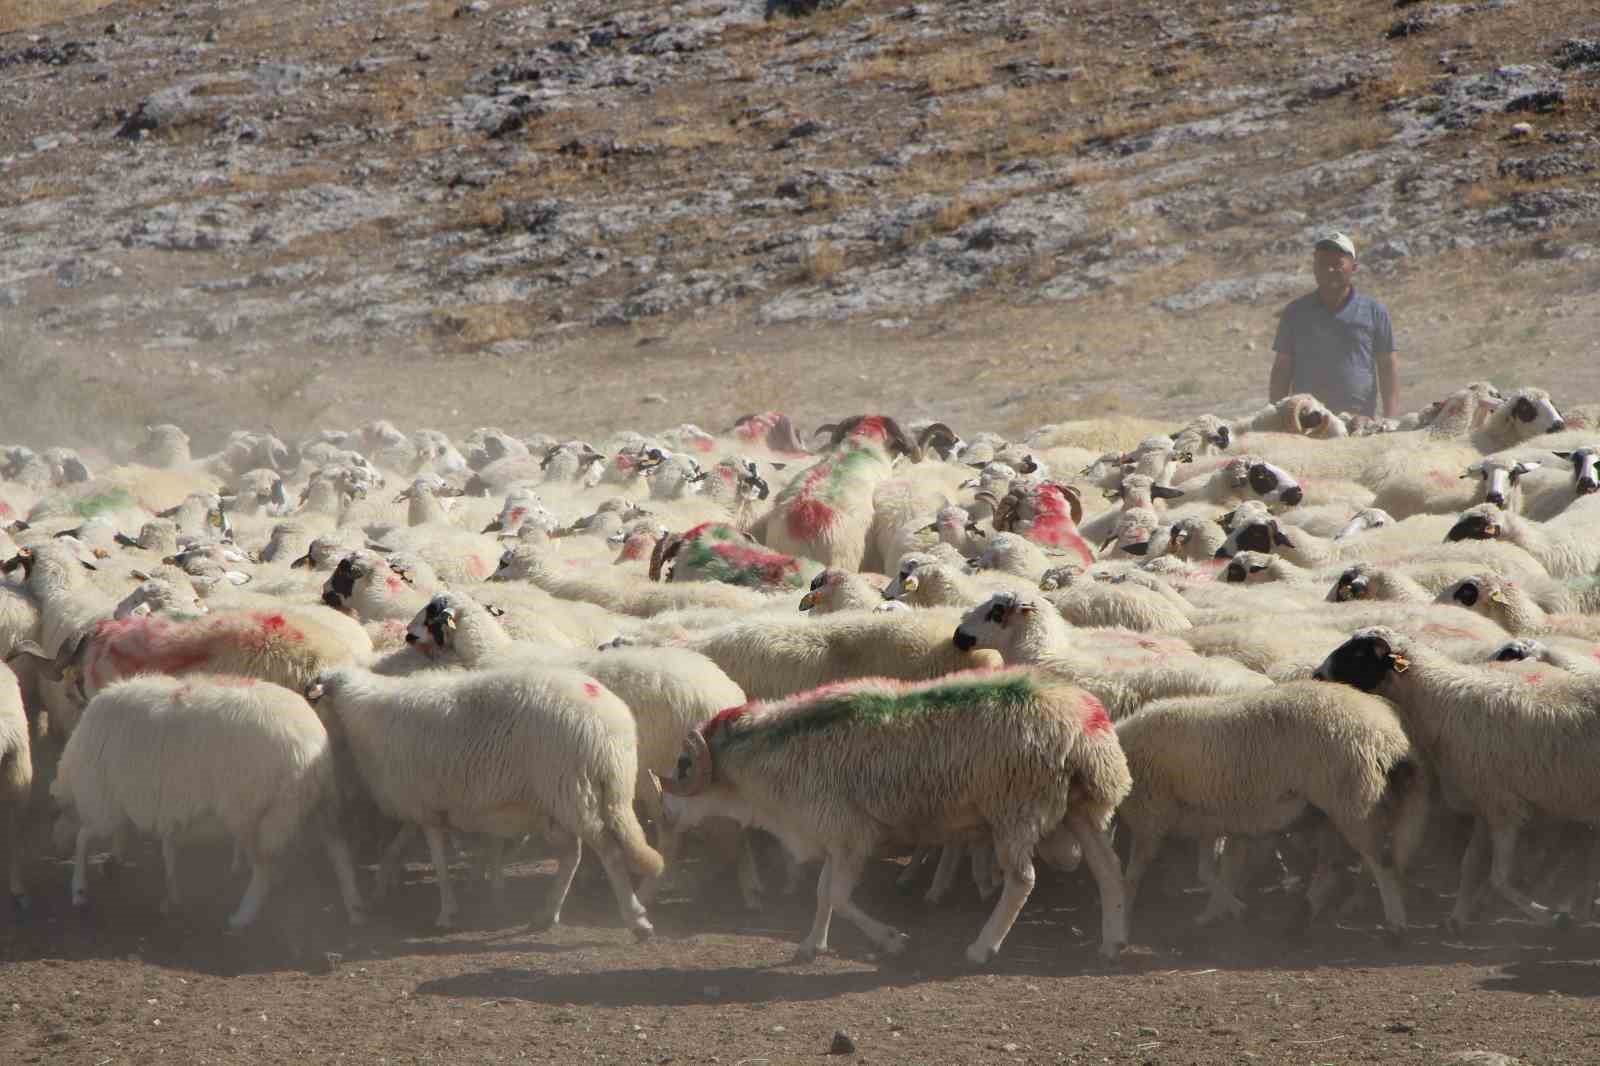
(1339, 241)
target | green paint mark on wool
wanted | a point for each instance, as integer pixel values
(850, 705)
(103, 503)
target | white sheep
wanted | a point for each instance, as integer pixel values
(1255, 763)
(1565, 546)
(16, 781)
(623, 593)
(1552, 491)
(1507, 746)
(839, 773)
(164, 755)
(502, 752)
(1027, 630)
(771, 659)
(1509, 604)
(842, 590)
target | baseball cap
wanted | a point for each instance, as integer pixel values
(1335, 239)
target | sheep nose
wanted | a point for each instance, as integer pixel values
(1557, 426)
(1587, 486)
(412, 638)
(965, 641)
(1496, 498)
(1293, 495)
(331, 598)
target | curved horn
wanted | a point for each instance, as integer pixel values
(897, 439)
(698, 755)
(941, 436)
(1074, 501)
(1296, 425)
(663, 553)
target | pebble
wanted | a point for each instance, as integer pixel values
(843, 1043)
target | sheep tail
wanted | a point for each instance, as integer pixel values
(1407, 794)
(624, 830)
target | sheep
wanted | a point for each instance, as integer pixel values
(1010, 553)
(16, 782)
(923, 581)
(502, 752)
(1239, 478)
(840, 772)
(668, 690)
(1506, 746)
(717, 551)
(285, 647)
(1026, 630)
(1565, 546)
(825, 512)
(1301, 414)
(622, 593)
(1581, 660)
(1123, 602)
(1509, 604)
(1044, 512)
(1255, 763)
(161, 754)
(1548, 496)
(771, 659)
(841, 590)
(1365, 581)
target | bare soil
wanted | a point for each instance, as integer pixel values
(121, 983)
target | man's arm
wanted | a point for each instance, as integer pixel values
(1388, 384)
(1282, 378)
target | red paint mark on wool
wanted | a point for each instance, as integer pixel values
(1534, 679)
(722, 718)
(5, 510)
(809, 518)
(591, 689)
(394, 583)
(478, 567)
(756, 427)
(1053, 525)
(1095, 719)
(703, 444)
(1440, 478)
(1438, 629)
(770, 568)
(872, 427)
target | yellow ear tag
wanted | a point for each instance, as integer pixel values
(1400, 662)
(1497, 597)
(449, 621)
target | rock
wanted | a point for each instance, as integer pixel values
(801, 8)
(1577, 52)
(1521, 129)
(1480, 1058)
(843, 1043)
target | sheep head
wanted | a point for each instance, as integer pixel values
(694, 770)
(1366, 659)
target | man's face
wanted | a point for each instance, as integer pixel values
(1333, 269)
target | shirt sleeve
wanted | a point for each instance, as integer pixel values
(1284, 341)
(1382, 333)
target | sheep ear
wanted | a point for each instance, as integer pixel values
(138, 575)
(1563, 455)
(1526, 465)
(1027, 607)
(1280, 538)
(1163, 492)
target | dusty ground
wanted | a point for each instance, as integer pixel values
(124, 985)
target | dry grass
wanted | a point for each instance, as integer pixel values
(821, 261)
(475, 325)
(27, 14)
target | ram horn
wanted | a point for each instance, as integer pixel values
(1074, 501)
(696, 759)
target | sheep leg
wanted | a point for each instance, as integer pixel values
(984, 872)
(1061, 849)
(750, 886)
(13, 845)
(816, 940)
(1583, 908)
(441, 870)
(80, 864)
(1115, 900)
(255, 894)
(1017, 864)
(1467, 889)
(846, 872)
(1146, 846)
(567, 859)
(169, 865)
(628, 905)
(1222, 901)
(1503, 842)
(496, 861)
(344, 871)
(388, 875)
(647, 796)
(944, 874)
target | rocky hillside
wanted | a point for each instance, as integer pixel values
(567, 212)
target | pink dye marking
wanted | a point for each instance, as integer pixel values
(722, 718)
(1439, 477)
(1053, 525)
(756, 427)
(478, 568)
(809, 517)
(5, 510)
(394, 583)
(1534, 679)
(702, 444)
(591, 689)
(1438, 629)
(1095, 719)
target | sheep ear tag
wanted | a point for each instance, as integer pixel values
(1497, 596)
(449, 621)
(1400, 663)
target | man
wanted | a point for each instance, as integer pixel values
(1336, 343)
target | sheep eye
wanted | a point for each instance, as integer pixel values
(1525, 410)
(1467, 595)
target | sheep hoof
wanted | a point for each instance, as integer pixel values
(754, 904)
(979, 955)
(896, 944)
(644, 932)
(358, 916)
(445, 920)
(540, 922)
(1112, 950)
(806, 953)
(21, 904)
(933, 899)
(80, 902)
(1455, 926)
(1395, 938)
(1561, 920)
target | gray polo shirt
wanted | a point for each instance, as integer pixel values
(1333, 354)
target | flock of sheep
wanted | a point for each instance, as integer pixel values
(877, 640)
